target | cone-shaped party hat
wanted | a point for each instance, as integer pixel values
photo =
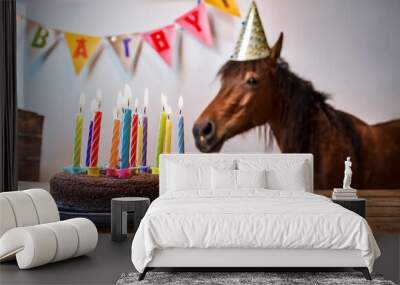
(252, 43)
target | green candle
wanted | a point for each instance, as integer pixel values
(78, 134)
(161, 130)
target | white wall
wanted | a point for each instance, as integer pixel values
(349, 49)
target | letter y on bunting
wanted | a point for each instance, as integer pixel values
(196, 22)
(162, 40)
(81, 48)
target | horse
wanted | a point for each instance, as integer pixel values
(265, 92)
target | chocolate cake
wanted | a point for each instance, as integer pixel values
(82, 193)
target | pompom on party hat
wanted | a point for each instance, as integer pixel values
(252, 43)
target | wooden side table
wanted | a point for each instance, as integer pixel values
(120, 208)
(355, 205)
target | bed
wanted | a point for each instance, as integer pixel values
(247, 211)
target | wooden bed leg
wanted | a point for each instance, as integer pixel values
(142, 275)
(364, 271)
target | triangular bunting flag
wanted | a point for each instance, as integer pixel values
(127, 48)
(227, 6)
(196, 22)
(40, 39)
(162, 40)
(81, 48)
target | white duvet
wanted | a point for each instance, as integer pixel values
(250, 219)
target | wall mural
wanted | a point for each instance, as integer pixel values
(259, 89)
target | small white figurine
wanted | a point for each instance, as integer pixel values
(347, 174)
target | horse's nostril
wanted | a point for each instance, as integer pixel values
(208, 129)
(204, 131)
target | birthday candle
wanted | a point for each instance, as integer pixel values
(144, 124)
(94, 152)
(134, 138)
(89, 143)
(168, 131)
(181, 130)
(139, 143)
(76, 159)
(161, 131)
(115, 140)
(120, 106)
(126, 128)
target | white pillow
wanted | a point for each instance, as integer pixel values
(223, 179)
(280, 174)
(251, 178)
(292, 179)
(182, 177)
(187, 174)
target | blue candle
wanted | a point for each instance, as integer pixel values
(181, 132)
(89, 143)
(126, 129)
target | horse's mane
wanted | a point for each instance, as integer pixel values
(302, 102)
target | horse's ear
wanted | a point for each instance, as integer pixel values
(276, 49)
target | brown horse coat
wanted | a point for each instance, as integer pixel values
(266, 92)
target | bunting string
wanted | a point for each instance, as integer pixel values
(42, 40)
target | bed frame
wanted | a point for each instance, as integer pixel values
(237, 259)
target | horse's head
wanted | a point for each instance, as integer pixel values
(245, 100)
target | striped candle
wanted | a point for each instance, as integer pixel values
(115, 141)
(89, 143)
(134, 137)
(161, 130)
(144, 123)
(77, 141)
(126, 128)
(168, 132)
(94, 151)
(139, 144)
(120, 106)
(181, 129)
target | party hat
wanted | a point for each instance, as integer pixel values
(252, 43)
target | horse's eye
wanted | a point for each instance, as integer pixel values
(252, 81)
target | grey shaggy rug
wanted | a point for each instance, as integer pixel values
(243, 278)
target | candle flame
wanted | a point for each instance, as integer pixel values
(168, 110)
(127, 91)
(93, 105)
(180, 104)
(128, 96)
(136, 104)
(163, 101)
(120, 100)
(81, 102)
(145, 100)
(98, 99)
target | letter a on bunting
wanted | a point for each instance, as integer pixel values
(81, 49)
(227, 6)
(162, 40)
(196, 22)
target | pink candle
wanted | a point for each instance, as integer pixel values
(135, 120)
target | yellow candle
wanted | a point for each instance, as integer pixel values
(76, 160)
(78, 141)
(168, 132)
(139, 144)
(161, 130)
